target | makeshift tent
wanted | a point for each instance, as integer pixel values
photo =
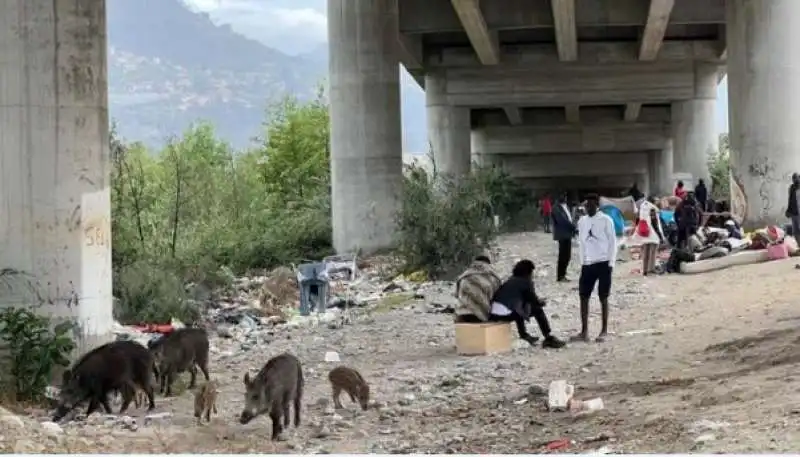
(616, 215)
(627, 205)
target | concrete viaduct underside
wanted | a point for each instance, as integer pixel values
(562, 91)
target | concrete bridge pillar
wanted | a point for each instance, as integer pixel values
(764, 106)
(54, 162)
(366, 142)
(448, 129)
(642, 181)
(694, 129)
(660, 164)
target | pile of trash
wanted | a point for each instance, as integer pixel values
(307, 294)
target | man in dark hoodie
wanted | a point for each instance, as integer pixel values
(687, 217)
(516, 301)
(792, 211)
(701, 195)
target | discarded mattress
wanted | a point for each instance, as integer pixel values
(739, 258)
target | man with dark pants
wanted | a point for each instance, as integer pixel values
(516, 301)
(598, 252)
(563, 231)
(687, 217)
(792, 205)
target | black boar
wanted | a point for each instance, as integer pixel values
(273, 391)
(118, 366)
(182, 350)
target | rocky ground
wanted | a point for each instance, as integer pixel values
(701, 363)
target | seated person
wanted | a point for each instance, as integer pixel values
(734, 230)
(516, 301)
(474, 290)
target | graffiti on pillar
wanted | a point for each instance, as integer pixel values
(763, 170)
(738, 197)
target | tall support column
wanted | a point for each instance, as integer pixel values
(764, 106)
(54, 162)
(366, 142)
(694, 125)
(662, 165)
(652, 172)
(448, 129)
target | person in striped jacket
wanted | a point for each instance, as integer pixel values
(474, 290)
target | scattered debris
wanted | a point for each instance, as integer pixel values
(559, 395)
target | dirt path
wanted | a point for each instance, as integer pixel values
(703, 363)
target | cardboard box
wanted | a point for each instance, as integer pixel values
(482, 339)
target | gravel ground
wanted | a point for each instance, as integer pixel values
(696, 363)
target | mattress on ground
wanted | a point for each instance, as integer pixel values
(739, 258)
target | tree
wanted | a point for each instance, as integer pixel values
(719, 168)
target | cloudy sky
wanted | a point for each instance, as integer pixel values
(291, 26)
(297, 26)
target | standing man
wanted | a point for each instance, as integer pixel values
(688, 218)
(547, 209)
(598, 253)
(563, 231)
(701, 195)
(792, 211)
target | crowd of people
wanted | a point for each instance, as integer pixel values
(483, 296)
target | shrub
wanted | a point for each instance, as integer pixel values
(146, 292)
(443, 223)
(35, 348)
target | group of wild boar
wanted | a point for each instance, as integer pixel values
(129, 368)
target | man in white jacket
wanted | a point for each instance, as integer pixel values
(598, 253)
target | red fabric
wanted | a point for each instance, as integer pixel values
(642, 228)
(680, 193)
(547, 207)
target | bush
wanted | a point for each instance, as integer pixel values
(719, 167)
(34, 350)
(442, 224)
(150, 293)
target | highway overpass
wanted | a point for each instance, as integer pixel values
(557, 90)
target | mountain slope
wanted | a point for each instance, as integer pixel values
(170, 66)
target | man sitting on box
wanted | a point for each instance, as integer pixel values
(516, 301)
(474, 290)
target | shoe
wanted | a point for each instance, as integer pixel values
(564, 279)
(532, 340)
(552, 342)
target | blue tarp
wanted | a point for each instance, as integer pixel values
(616, 215)
(667, 217)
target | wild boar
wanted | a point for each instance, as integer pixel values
(118, 366)
(182, 350)
(273, 391)
(347, 379)
(205, 401)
